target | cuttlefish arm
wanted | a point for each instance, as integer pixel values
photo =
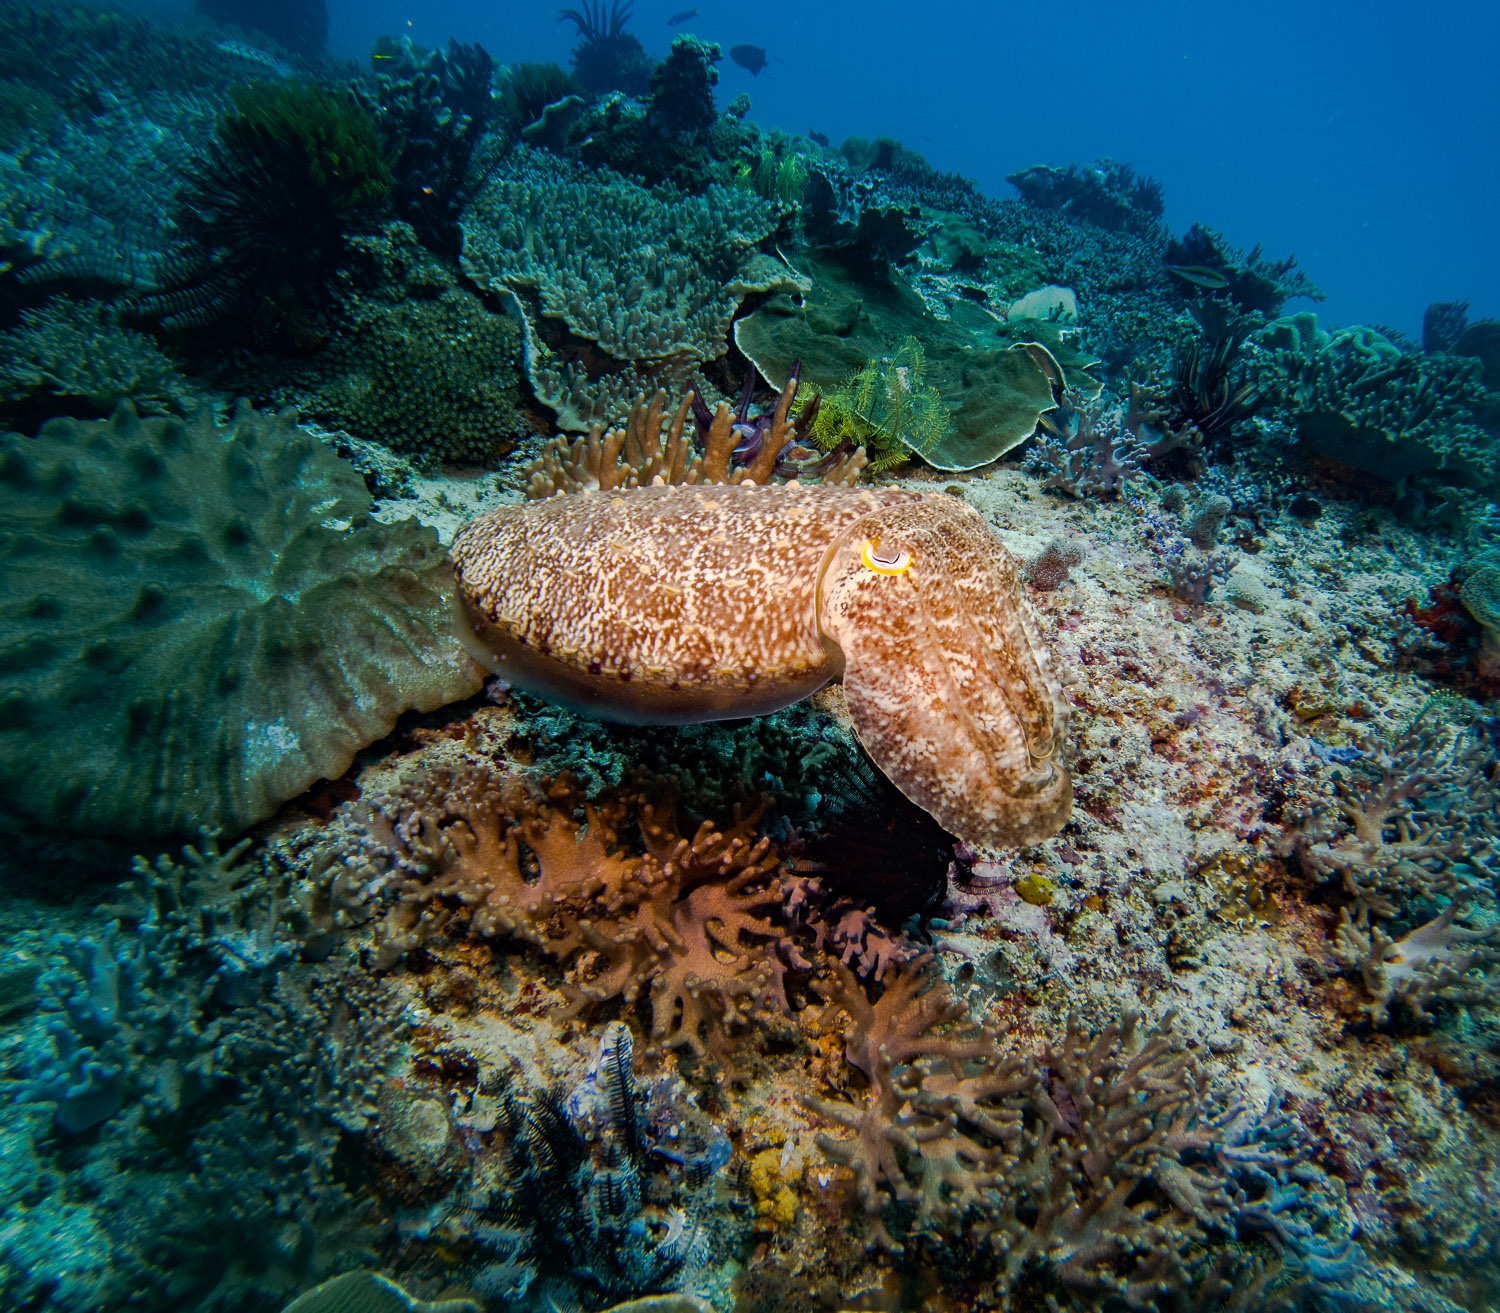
(704, 602)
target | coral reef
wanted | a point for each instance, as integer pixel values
(267, 215)
(200, 622)
(1357, 396)
(545, 233)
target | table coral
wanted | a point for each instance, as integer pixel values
(200, 622)
(678, 266)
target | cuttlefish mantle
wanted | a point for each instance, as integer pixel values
(675, 604)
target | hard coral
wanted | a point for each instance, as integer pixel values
(621, 289)
(1102, 1160)
(201, 622)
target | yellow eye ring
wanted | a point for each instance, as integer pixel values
(897, 564)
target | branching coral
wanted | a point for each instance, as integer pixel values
(1103, 1158)
(75, 358)
(435, 106)
(1363, 399)
(651, 446)
(211, 1085)
(1418, 823)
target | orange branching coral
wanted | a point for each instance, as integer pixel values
(684, 922)
(641, 451)
(1102, 1158)
(931, 1130)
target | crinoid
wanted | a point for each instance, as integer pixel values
(607, 57)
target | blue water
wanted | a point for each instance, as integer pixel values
(1357, 137)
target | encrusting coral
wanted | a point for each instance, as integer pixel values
(700, 601)
(200, 622)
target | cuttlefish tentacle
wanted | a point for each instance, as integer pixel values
(674, 604)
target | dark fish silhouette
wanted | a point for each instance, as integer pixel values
(752, 58)
(820, 137)
(682, 17)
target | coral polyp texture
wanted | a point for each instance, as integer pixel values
(621, 289)
(201, 621)
(673, 604)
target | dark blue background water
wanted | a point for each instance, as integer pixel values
(1361, 138)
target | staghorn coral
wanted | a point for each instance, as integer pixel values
(135, 1011)
(1438, 962)
(1102, 1160)
(1417, 815)
(1202, 260)
(1106, 193)
(200, 622)
(621, 288)
(700, 602)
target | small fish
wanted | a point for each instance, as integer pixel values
(1200, 275)
(752, 58)
(682, 17)
(255, 55)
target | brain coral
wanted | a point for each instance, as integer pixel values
(197, 623)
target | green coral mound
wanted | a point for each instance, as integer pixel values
(421, 364)
(1359, 397)
(197, 623)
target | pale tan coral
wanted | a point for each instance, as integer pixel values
(674, 604)
(639, 452)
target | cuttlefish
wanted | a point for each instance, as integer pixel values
(673, 604)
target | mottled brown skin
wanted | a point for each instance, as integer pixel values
(673, 604)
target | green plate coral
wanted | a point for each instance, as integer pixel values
(197, 623)
(994, 379)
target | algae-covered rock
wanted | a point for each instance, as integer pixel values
(995, 378)
(197, 623)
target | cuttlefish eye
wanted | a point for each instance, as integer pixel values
(889, 560)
